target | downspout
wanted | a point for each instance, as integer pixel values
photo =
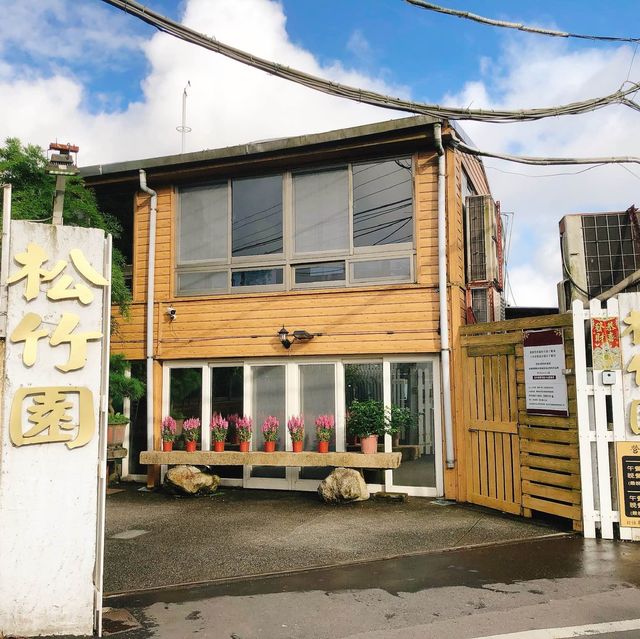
(151, 267)
(442, 293)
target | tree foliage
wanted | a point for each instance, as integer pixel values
(33, 190)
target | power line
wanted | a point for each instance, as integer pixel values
(544, 161)
(177, 30)
(546, 175)
(516, 25)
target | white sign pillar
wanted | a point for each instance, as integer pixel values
(53, 423)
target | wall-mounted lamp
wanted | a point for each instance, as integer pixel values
(171, 313)
(300, 336)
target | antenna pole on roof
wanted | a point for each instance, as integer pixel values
(183, 129)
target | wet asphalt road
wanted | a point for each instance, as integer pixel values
(553, 582)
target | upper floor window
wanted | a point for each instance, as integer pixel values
(321, 211)
(257, 216)
(382, 203)
(203, 223)
(299, 229)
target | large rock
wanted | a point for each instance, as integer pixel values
(343, 485)
(190, 480)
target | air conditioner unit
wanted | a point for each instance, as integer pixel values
(482, 258)
(488, 304)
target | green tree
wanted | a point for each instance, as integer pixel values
(24, 167)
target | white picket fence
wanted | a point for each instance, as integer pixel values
(601, 422)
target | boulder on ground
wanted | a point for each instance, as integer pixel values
(190, 480)
(343, 485)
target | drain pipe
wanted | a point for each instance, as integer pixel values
(442, 292)
(151, 267)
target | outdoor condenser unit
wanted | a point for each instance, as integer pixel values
(482, 258)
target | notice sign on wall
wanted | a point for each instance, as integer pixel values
(545, 383)
(628, 456)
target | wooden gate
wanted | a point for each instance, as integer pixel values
(491, 419)
(517, 462)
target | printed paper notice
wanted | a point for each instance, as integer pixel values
(545, 382)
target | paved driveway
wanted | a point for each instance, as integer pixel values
(154, 540)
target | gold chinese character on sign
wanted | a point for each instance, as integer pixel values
(32, 271)
(26, 332)
(49, 416)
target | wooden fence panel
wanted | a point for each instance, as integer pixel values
(518, 462)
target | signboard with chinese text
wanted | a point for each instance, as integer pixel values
(53, 410)
(629, 311)
(605, 344)
(628, 458)
(544, 364)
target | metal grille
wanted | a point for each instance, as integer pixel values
(477, 238)
(479, 304)
(609, 251)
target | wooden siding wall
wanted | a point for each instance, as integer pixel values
(363, 320)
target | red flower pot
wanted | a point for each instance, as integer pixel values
(244, 447)
(167, 447)
(218, 447)
(190, 446)
(323, 447)
(297, 446)
(369, 444)
(269, 447)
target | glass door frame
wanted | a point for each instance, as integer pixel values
(271, 483)
(417, 491)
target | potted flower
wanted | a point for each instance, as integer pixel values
(219, 427)
(270, 433)
(168, 433)
(368, 420)
(324, 430)
(191, 433)
(296, 430)
(244, 429)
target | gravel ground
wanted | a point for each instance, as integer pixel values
(240, 532)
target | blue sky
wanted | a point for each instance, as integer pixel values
(82, 71)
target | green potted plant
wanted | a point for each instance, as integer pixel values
(369, 420)
(121, 385)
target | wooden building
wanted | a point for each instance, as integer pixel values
(333, 234)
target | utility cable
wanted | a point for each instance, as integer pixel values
(542, 161)
(516, 25)
(177, 30)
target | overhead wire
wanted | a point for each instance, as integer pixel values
(544, 161)
(177, 30)
(429, 6)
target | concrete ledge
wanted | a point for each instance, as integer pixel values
(278, 458)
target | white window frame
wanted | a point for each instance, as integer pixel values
(292, 365)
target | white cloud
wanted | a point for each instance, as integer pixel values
(359, 46)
